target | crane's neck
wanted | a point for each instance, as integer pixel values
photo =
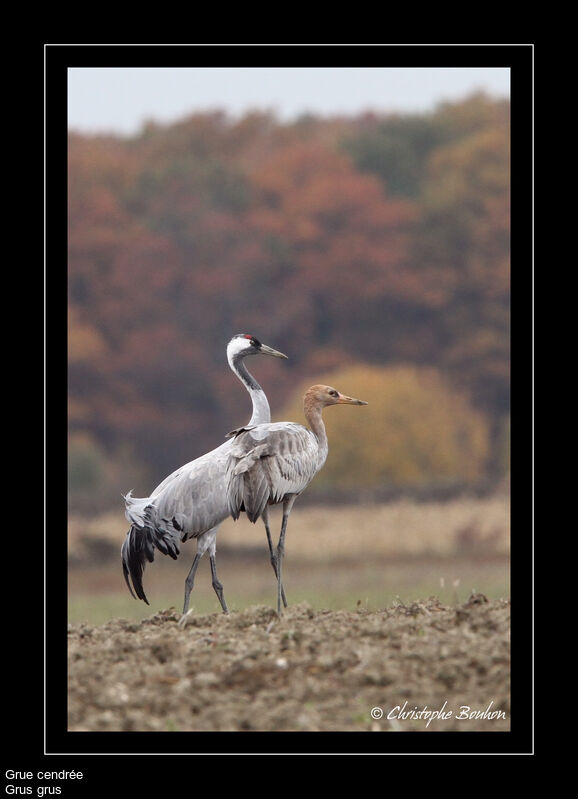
(261, 409)
(312, 411)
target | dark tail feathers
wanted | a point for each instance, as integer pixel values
(139, 547)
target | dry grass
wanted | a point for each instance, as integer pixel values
(395, 529)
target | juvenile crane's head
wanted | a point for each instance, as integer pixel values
(320, 396)
(243, 344)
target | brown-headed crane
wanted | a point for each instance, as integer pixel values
(274, 462)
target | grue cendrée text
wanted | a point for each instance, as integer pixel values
(192, 501)
(274, 462)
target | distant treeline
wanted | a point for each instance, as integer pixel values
(375, 240)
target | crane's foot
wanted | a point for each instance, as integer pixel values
(182, 622)
(219, 592)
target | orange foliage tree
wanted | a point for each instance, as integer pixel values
(417, 432)
(191, 232)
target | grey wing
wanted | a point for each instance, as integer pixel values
(267, 463)
(194, 498)
(189, 502)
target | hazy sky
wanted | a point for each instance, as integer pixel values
(119, 100)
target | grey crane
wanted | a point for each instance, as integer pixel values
(273, 463)
(192, 501)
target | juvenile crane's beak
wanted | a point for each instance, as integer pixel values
(265, 350)
(344, 400)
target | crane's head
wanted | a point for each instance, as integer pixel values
(242, 345)
(327, 395)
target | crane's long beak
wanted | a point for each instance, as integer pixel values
(345, 400)
(265, 350)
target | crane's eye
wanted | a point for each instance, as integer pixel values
(333, 393)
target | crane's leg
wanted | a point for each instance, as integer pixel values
(287, 505)
(265, 518)
(206, 541)
(216, 584)
(190, 581)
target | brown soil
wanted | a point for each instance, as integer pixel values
(328, 670)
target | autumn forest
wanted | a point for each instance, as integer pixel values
(374, 251)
